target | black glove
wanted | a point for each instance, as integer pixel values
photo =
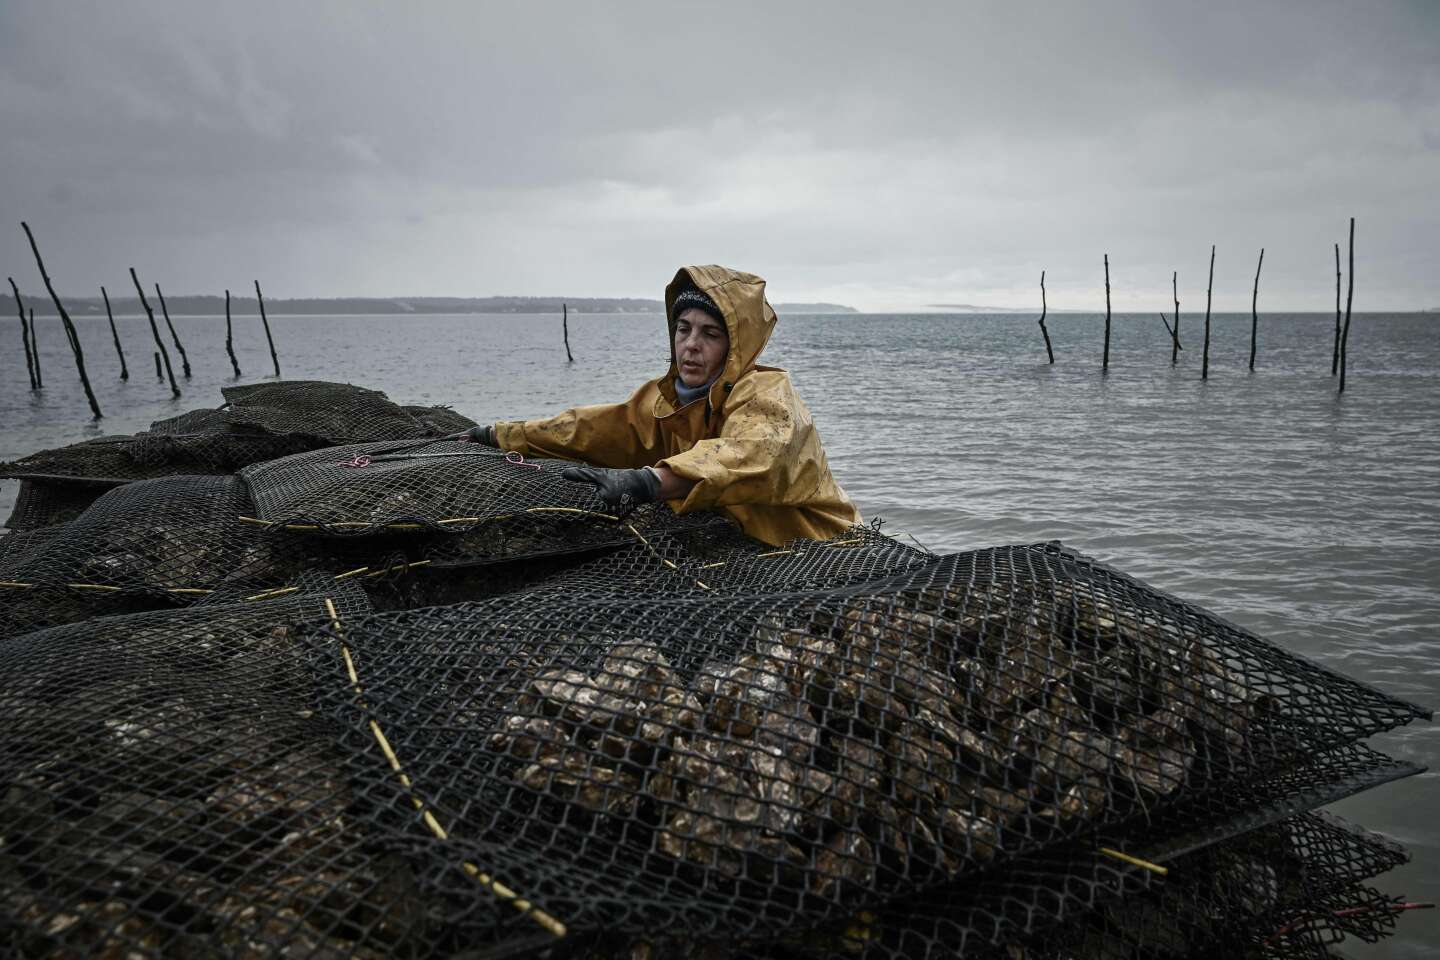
(616, 486)
(484, 433)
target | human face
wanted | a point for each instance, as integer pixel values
(701, 344)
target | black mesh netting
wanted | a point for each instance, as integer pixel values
(173, 540)
(168, 790)
(330, 413)
(921, 763)
(742, 766)
(1289, 890)
(437, 486)
(157, 543)
(41, 503)
(441, 420)
(258, 422)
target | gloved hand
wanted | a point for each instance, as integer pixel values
(615, 486)
(481, 433)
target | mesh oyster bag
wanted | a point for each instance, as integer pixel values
(744, 766)
(718, 558)
(156, 543)
(43, 504)
(361, 489)
(1035, 905)
(440, 419)
(168, 791)
(330, 413)
(1289, 890)
(648, 527)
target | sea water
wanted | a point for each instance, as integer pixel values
(1308, 516)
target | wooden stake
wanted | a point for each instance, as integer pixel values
(1175, 347)
(1205, 363)
(35, 348)
(1335, 353)
(1255, 317)
(1349, 299)
(184, 360)
(24, 335)
(1174, 340)
(70, 332)
(229, 338)
(124, 373)
(565, 326)
(155, 332)
(269, 339)
(1044, 309)
(159, 374)
(1105, 364)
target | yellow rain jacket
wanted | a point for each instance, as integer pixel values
(749, 444)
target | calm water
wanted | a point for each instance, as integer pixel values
(1310, 518)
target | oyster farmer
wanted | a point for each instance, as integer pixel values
(717, 432)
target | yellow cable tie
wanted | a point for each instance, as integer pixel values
(93, 586)
(189, 590)
(351, 573)
(398, 566)
(711, 566)
(774, 553)
(545, 920)
(16, 585)
(277, 592)
(1136, 861)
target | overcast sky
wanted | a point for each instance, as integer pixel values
(882, 155)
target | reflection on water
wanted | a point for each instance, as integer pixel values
(1311, 518)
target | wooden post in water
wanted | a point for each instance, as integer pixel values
(1255, 317)
(155, 332)
(269, 339)
(229, 338)
(1044, 309)
(1335, 352)
(1105, 363)
(1209, 288)
(24, 334)
(565, 326)
(159, 374)
(35, 348)
(1175, 347)
(124, 373)
(184, 360)
(69, 325)
(1349, 299)
(1174, 340)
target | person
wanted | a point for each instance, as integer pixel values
(717, 431)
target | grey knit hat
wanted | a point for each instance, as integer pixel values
(695, 298)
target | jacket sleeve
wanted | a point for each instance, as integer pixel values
(767, 452)
(616, 435)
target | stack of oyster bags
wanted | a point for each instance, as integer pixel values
(350, 689)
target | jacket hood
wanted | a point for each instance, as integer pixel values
(749, 321)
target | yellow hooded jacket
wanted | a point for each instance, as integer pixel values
(749, 444)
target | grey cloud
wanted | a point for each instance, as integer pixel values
(894, 156)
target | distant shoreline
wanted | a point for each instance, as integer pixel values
(211, 306)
